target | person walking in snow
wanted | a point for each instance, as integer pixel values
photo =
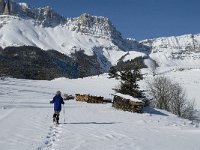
(57, 101)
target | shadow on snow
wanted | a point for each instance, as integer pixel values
(153, 111)
(98, 123)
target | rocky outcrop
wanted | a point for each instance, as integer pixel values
(45, 16)
(2, 6)
(101, 27)
(8, 8)
(93, 25)
(5, 7)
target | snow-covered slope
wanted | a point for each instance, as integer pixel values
(46, 29)
(26, 119)
(22, 24)
(20, 31)
(181, 51)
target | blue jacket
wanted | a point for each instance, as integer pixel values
(57, 101)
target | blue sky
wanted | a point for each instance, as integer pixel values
(140, 19)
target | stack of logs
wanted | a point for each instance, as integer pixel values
(89, 98)
(127, 105)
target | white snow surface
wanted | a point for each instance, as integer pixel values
(26, 118)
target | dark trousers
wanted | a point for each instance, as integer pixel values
(56, 116)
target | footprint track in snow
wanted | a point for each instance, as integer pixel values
(52, 137)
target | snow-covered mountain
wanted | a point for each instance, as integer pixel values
(20, 31)
(179, 51)
(21, 24)
(44, 28)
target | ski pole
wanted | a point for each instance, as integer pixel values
(64, 112)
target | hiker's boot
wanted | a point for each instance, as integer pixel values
(57, 119)
(54, 117)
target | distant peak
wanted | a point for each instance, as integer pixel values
(44, 15)
(92, 16)
(47, 8)
(86, 15)
(93, 25)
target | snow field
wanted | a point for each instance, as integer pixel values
(26, 118)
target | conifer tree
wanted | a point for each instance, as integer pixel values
(129, 79)
(113, 73)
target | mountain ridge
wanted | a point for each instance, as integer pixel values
(94, 36)
(181, 50)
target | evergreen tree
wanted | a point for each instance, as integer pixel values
(129, 79)
(82, 73)
(113, 73)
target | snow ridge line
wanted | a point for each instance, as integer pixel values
(51, 139)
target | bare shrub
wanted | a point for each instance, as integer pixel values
(159, 90)
(170, 96)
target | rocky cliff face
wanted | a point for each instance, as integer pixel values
(5, 7)
(102, 27)
(45, 16)
(93, 25)
(2, 6)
